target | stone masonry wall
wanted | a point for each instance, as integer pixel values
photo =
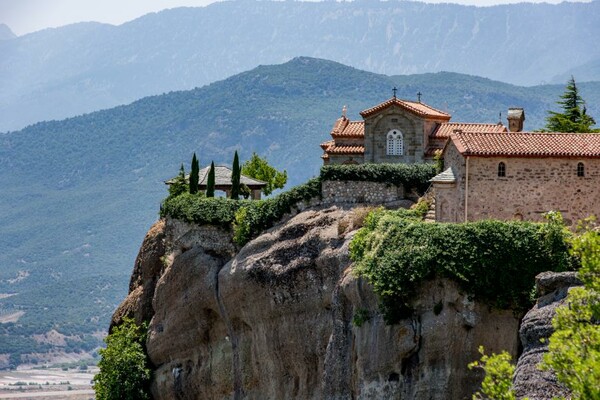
(532, 187)
(360, 192)
(449, 198)
(377, 128)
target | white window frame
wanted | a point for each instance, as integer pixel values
(395, 143)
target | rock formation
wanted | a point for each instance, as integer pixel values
(530, 381)
(285, 318)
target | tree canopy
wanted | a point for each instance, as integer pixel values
(574, 117)
(179, 185)
(574, 348)
(124, 371)
(258, 168)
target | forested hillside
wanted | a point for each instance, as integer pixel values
(78, 195)
(58, 73)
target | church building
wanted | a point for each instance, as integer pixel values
(490, 171)
(396, 131)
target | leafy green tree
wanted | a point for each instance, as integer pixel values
(497, 384)
(195, 171)
(235, 177)
(574, 348)
(124, 372)
(574, 117)
(179, 185)
(210, 181)
(258, 168)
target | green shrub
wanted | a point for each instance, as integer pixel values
(257, 216)
(497, 383)
(411, 176)
(574, 347)
(493, 261)
(201, 210)
(124, 371)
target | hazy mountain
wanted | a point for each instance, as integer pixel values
(56, 73)
(6, 33)
(79, 194)
(589, 71)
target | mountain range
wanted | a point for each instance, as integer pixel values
(62, 72)
(78, 194)
(6, 33)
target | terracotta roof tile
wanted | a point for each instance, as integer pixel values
(327, 144)
(446, 129)
(528, 144)
(345, 149)
(355, 129)
(339, 125)
(417, 108)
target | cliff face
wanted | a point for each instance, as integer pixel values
(536, 328)
(285, 317)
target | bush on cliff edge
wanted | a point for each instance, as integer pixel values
(493, 261)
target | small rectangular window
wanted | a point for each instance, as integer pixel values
(501, 169)
(580, 169)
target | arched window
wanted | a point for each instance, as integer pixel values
(501, 169)
(580, 169)
(395, 143)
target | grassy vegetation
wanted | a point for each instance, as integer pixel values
(493, 261)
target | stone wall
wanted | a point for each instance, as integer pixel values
(531, 187)
(449, 198)
(377, 128)
(360, 192)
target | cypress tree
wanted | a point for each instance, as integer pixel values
(210, 182)
(195, 170)
(235, 177)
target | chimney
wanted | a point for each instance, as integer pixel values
(516, 118)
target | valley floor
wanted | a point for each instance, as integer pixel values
(51, 383)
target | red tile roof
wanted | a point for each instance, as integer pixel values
(351, 129)
(327, 144)
(345, 149)
(339, 125)
(420, 109)
(445, 129)
(528, 144)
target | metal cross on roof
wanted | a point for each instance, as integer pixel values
(419, 96)
(394, 90)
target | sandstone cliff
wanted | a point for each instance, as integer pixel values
(285, 317)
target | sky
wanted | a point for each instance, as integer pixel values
(25, 16)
